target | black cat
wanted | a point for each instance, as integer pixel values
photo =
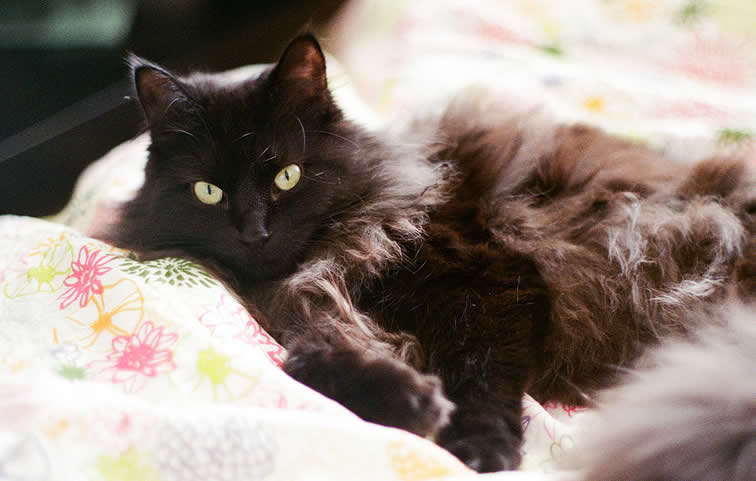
(506, 254)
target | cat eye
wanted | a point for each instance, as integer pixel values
(208, 193)
(288, 177)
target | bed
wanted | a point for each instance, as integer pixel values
(113, 369)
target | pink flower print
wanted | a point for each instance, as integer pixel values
(135, 358)
(230, 320)
(717, 59)
(490, 31)
(254, 335)
(84, 280)
(689, 109)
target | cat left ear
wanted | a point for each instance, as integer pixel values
(157, 89)
(301, 71)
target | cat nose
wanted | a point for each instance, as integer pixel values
(255, 233)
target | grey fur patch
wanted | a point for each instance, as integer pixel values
(690, 415)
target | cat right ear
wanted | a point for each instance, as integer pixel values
(156, 88)
(301, 70)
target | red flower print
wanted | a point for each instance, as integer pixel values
(572, 410)
(141, 355)
(230, 320)
(84, 280)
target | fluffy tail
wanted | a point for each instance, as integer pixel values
(692, 415)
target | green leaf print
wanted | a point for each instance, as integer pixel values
(734, 136)
(551, 49)
(692, 12)
(72, 373)
(169, 270)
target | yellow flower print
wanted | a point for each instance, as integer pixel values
(216, 368)
(129, 466)
(594, 104)
(46, 274)
(641, 10)
(118, 310)
(638, 11)
(55, 429)
(50, 242)
(215, 373)
(412, 465)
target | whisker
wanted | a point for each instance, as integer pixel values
(168, 107)
(263, 152)
(244, 136)
(347, 208)
(319, 180)
(304, 135)
(184, 132)
(356, 145)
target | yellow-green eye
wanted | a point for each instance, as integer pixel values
(288, 177)
(208, 193)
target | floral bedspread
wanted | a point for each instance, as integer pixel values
(112, 369)
(678, 74)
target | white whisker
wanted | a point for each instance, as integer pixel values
(319, 180)
(304, 136)
(170, 104)
(337, 136)
(243, 136)
(185, 132)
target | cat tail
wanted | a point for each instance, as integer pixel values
(690, 415)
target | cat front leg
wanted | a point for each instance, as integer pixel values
(481, 326)
(379, 388)
(485, 430)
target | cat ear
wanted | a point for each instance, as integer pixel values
(156, 88)
(301, 71)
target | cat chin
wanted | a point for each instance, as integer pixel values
(258, 268)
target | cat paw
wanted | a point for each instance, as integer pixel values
(417, 403)
(382, 391)
(483, 447)
(486, 454)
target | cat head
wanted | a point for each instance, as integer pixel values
(242, 175)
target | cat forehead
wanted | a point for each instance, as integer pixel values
(228, 120)
(243, 103)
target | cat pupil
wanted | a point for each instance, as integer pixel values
(209, 190)
(286, 174)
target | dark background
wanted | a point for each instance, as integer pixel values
(64, 102)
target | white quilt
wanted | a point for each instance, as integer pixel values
(112, 369)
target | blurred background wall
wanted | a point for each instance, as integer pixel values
(63, 81)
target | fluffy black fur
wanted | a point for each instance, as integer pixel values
(502, 253)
